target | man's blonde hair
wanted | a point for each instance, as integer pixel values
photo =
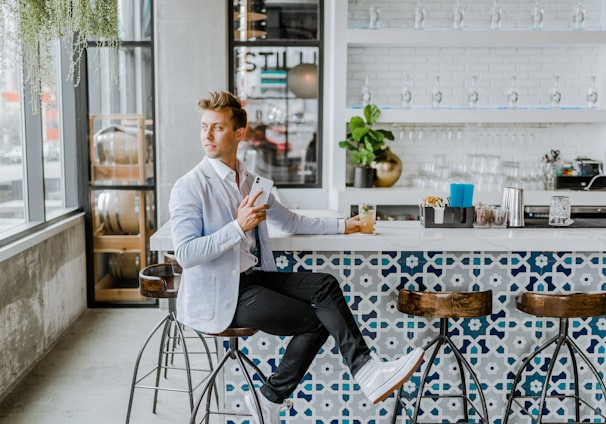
(222, 100)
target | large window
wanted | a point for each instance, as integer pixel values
(33, 185)
(12, 203)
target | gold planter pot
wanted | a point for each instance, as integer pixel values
(387, 171)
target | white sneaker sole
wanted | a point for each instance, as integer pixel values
(416, 357)
(250, 403)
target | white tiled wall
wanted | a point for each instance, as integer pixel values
(534, 67)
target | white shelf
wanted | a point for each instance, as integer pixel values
(471, 38)
(488, 116)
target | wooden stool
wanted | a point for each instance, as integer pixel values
(233, 352)
(160, 281)
(445, 305)
(562, 306)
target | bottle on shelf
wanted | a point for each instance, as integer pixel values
(538, 14)
(375, 15)
(406, 93)
(513, 94)
(578, 15)
(436, 93)
(472, 93)
(592, 94)
(458, 16)
(366, 91)
(496, 14)
(419, 15)
(556, 93)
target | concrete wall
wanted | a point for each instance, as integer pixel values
(191, 60)
(42, 292)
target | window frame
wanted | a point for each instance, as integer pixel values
(36, 218)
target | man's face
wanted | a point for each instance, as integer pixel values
(219, 139)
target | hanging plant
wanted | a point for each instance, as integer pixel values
(35, 24)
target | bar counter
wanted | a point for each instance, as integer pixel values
(404, 255)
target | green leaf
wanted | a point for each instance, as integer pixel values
(347, 145)
(387, 134)
(356, 122)
(376, 135)
(358, 133)
(363, 157)
(371, 113)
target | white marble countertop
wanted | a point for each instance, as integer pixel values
(411, 236)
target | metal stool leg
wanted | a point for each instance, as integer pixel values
(464, 363)
(440, 342)
(138, 361)
(233, 352)
(520, 372)
(562, 338)
(163, 341)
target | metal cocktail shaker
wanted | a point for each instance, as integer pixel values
(513, 200)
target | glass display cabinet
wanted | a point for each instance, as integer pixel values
(121, 213)
(276, 63)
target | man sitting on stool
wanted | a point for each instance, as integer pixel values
(216, 229)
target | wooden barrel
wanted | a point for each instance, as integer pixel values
(125, 265)
(118, 145)
(118, 211)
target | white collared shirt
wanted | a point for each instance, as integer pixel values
(235, 195)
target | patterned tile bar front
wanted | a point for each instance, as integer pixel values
(494, 345)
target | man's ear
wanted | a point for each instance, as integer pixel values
(241, 132)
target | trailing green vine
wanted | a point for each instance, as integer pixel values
(35, 24)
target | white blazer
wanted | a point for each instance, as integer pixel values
(207, 242)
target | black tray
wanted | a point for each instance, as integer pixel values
(453, 217)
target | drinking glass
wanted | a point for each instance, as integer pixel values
(482, 217)
(499, 217)
(559, 211)
(368, 215)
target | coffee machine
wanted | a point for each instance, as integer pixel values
(579, 174)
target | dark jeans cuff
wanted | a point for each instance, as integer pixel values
(269, 394)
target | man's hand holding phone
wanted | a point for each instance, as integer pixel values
(253, 208)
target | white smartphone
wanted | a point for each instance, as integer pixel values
(264, 184)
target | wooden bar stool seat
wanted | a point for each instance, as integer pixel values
(445, 305)
(564, 307)
(233, 352)
(161, 281)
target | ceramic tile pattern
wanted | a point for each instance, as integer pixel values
(494, 345)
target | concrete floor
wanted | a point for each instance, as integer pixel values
(86, 378)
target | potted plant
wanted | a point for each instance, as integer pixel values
(366, 144)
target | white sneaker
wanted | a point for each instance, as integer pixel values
(269, 409)
(379, 379)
